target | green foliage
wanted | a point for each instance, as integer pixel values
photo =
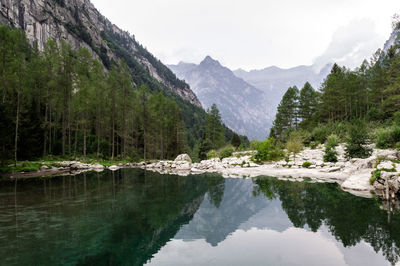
(332, 141)
(313, 145)
(306, 164)
(375, 176)
(61, 102)
(294, 144)
(330, 154)
(287, 117)
(236, 142)
(387, 137)
(226, 152)
(267, 150)
(205, 147)
(212, 154)
(308, 101)
(320, 134)
(21, 167)
(357, 141)
(214, 129)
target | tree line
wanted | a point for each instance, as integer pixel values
(370, 93)
(64, 102)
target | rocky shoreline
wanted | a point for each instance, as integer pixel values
(352, 175)
(379, 174)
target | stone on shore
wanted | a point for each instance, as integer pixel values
(183, 157)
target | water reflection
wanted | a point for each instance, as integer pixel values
(133, 217)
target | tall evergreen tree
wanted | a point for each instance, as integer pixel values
(307, 103)
(287, 117)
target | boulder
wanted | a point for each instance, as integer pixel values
(113, 168)
(385, 165)
(97, 166)
(183, 157)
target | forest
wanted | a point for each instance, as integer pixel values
(64, 103)
(360, 105)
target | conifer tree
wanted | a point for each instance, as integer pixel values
(287, 115)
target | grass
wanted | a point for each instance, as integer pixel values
(21, 167)
(32, 166)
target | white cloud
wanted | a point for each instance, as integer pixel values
(351, 44)
(247, 33)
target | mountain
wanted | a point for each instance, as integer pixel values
(239, 209)
(274, 81)
(244, 108)
(80, 24)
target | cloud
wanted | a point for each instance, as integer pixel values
(351, 44)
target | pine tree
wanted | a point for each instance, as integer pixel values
(214, 130)
(236, 140)
(287, 115)
(307, 103)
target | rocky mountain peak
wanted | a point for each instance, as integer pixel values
(209, 61)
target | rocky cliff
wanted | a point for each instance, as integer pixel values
(80, 24)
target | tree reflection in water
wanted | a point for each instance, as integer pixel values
(350, 219)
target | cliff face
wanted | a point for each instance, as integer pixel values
(80, 24)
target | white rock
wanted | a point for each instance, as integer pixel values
(97, 166)
(183, 157)
(385, 165)
(113, 168)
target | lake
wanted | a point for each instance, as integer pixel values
(134, 217)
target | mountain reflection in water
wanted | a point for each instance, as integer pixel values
(133, 217)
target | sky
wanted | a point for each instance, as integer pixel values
(254, 34)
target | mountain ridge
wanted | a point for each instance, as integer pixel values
(243, 107)
(82, 25)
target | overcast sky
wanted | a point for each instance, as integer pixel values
(254, 34)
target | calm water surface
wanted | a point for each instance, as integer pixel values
(133, 217)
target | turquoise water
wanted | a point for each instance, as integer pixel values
(133, 217)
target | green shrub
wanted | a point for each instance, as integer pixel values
(226, 152)
(313, 145)
(330, 154)
(375, 175)
(295, 144)
(306, 164)
(332, 141)
(211, 154)
(357, 141)
(387, 137)
(319, 134)
(267, 150)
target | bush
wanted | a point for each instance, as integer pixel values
(357, 141)
(267, 150)
(211, 154)
(226, 152)
(330, 155)
(294, 144)
(332, 141)
(306, 164)
(319, 134)
(313, 145)
(387, 137)
(330, 149)
(375, 175)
